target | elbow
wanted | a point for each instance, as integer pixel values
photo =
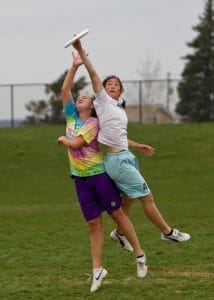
(75, 147)
(65, 94)
(93, 75)
(63, 91)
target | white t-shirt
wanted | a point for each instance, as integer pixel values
(113, 121)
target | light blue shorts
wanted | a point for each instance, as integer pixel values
(123, 168)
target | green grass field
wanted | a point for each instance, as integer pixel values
(44, 245)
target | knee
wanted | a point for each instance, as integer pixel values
(126, 204)
(118, 216)
(148, 200)
(94, 225)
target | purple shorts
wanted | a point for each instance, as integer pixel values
(96, 194)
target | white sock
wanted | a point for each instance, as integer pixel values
(141, 255)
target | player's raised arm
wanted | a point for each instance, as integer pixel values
(66, 93)
(95, 79)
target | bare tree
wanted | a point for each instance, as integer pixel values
(152, 85)
(150, 73)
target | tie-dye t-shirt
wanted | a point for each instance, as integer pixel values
(88, 160)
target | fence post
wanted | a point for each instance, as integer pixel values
(140, 102)
(168, 90)
(212, 106)
(12, 104)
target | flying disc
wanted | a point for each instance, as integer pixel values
(76, 37)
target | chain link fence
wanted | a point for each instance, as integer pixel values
(151, 101)
(14, 97)
(147, 101)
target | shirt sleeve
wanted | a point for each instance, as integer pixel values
(101, 97)
(89, 130)
(70, 110)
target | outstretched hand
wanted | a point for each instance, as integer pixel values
(146, 149)
(61, 140)
(77, 45)
(77, 61)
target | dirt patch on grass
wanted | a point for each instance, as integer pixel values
(32, 208)
(180, 272)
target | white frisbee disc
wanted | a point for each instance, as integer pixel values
(76, 37)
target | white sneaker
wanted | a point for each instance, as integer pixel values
(121, 240)
(141, 266)
(98, 278)
(176, 236)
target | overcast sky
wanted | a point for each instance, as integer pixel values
(123, 33)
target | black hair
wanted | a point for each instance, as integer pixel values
(122, 103)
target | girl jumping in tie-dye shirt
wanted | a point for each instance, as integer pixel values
(95, 190)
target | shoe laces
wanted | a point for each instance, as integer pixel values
(177, 233)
